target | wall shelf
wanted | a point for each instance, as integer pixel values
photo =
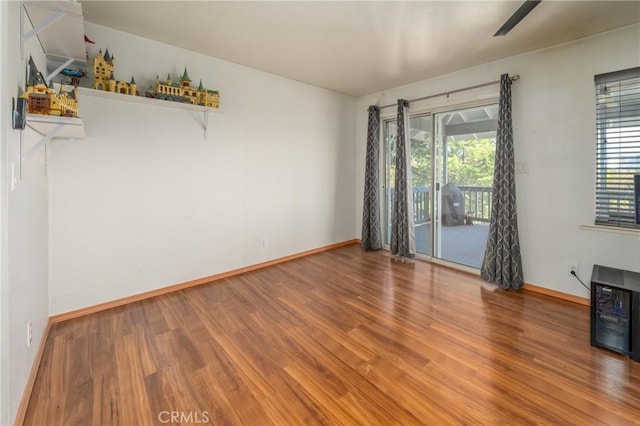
(53, 127)
(59, 26)
(83, 91)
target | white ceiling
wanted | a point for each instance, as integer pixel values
(359, 47)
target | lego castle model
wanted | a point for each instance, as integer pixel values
(43, 99)
(180, 91)
(103, 78)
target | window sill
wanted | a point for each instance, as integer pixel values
(611, 230)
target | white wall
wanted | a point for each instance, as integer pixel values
(554, 132)
(4, 279)
(144, 202)
(24, 218)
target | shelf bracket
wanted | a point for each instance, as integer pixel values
(55, 15)
(42, 25)
(42, 141)
(205, 123)
(57, 70)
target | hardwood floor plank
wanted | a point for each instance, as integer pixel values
(367, 393)
(106, 400)
(78, 408)
(339, 337)
(224, 378)
(134, 400)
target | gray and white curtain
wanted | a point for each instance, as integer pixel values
(371, 231)
(502, 263)
(402, 227)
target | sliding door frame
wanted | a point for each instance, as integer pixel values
(389, 114)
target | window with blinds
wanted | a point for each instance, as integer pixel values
(618, 147)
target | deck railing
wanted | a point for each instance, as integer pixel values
(421, 210)
(477, 203)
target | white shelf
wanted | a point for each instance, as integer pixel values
(53, 127)
(142, 100)
(83, 91)
(71, 127)
(59, 26)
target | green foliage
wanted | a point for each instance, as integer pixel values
(471, 162)
(420, 162)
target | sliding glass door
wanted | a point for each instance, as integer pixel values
(466, 146)
(452, 155)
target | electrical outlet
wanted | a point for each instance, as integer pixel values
(29, 334)
(263, 242)
(572, 267)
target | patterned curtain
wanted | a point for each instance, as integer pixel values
(502, 263)
(371, 232)
(402, 227)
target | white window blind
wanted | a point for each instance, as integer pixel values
(618, 147)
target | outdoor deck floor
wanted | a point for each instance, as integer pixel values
(460, 244)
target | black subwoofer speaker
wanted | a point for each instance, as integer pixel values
(615, 310)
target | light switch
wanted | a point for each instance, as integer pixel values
(522, 168)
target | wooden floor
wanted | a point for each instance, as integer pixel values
(341, 337)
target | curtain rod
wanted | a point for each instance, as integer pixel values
(464, 89)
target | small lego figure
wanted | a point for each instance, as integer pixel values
(75, 75)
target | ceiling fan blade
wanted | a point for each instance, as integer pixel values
(518, 16)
